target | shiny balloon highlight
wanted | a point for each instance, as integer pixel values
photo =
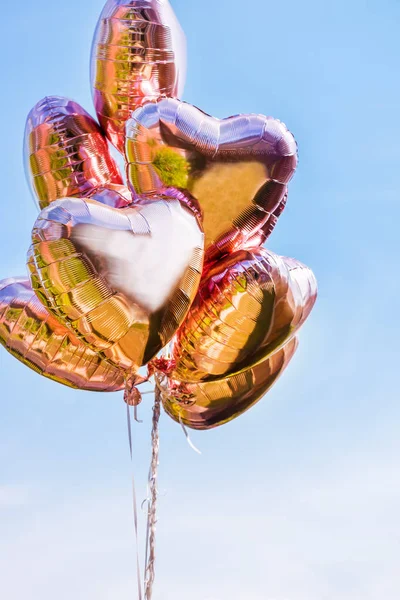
(101, 271)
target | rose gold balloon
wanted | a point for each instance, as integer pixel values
(31, 334)
(122, 279)
(138, 55)
(209, 404)
(65, 151)
(236, 168)
(249, 304)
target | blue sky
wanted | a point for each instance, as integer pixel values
(298, 499)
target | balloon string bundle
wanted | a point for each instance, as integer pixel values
(150, 551)
(131, 398)
(152, 505)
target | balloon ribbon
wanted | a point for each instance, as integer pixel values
(150, 553)
(152, 506)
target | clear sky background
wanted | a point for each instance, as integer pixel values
(299, 498)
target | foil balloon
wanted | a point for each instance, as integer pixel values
(122, 279)
(65, 152)
(31, 334)
(209, 404)
(138, 55)
(249, 304)
(236, 168)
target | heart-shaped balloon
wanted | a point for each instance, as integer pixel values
(31, 334)
(65, 152)
(249, 304)
(122, 280)
(138, 55)
(208, 404)
(113, 195)
(236, 168)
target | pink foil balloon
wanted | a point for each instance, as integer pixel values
(237, 169)
(249, 304)
(121, 279)
(31, 334)
(208, 404)
(65, 152)
(138, 55)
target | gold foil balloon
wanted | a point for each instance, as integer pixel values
(122, 279)
(31, 334)
(237, 168)
(249, 304)
(138, 55)
(208, 404)
(66, 154)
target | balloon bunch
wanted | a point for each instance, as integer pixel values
(173, 259)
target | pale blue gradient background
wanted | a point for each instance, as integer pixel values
(299, 498)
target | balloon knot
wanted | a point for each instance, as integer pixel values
(132, 396)
(164, 365)
(181, 393)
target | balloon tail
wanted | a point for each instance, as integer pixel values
(135, 511)
(187, 436)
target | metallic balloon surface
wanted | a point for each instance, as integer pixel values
(65, 152)
(31, 334)
(236, 168)
(208, 404)
(138, 55)
(261, 235)
(114, 195)
(249, 304)
(122, 279)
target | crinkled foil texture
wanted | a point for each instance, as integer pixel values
(31, 334)
(237, 169)
(240, 329)
(66, 153)
(121, 279)
(138, 56)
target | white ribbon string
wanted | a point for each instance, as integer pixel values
(189, 441)
(135, 414)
